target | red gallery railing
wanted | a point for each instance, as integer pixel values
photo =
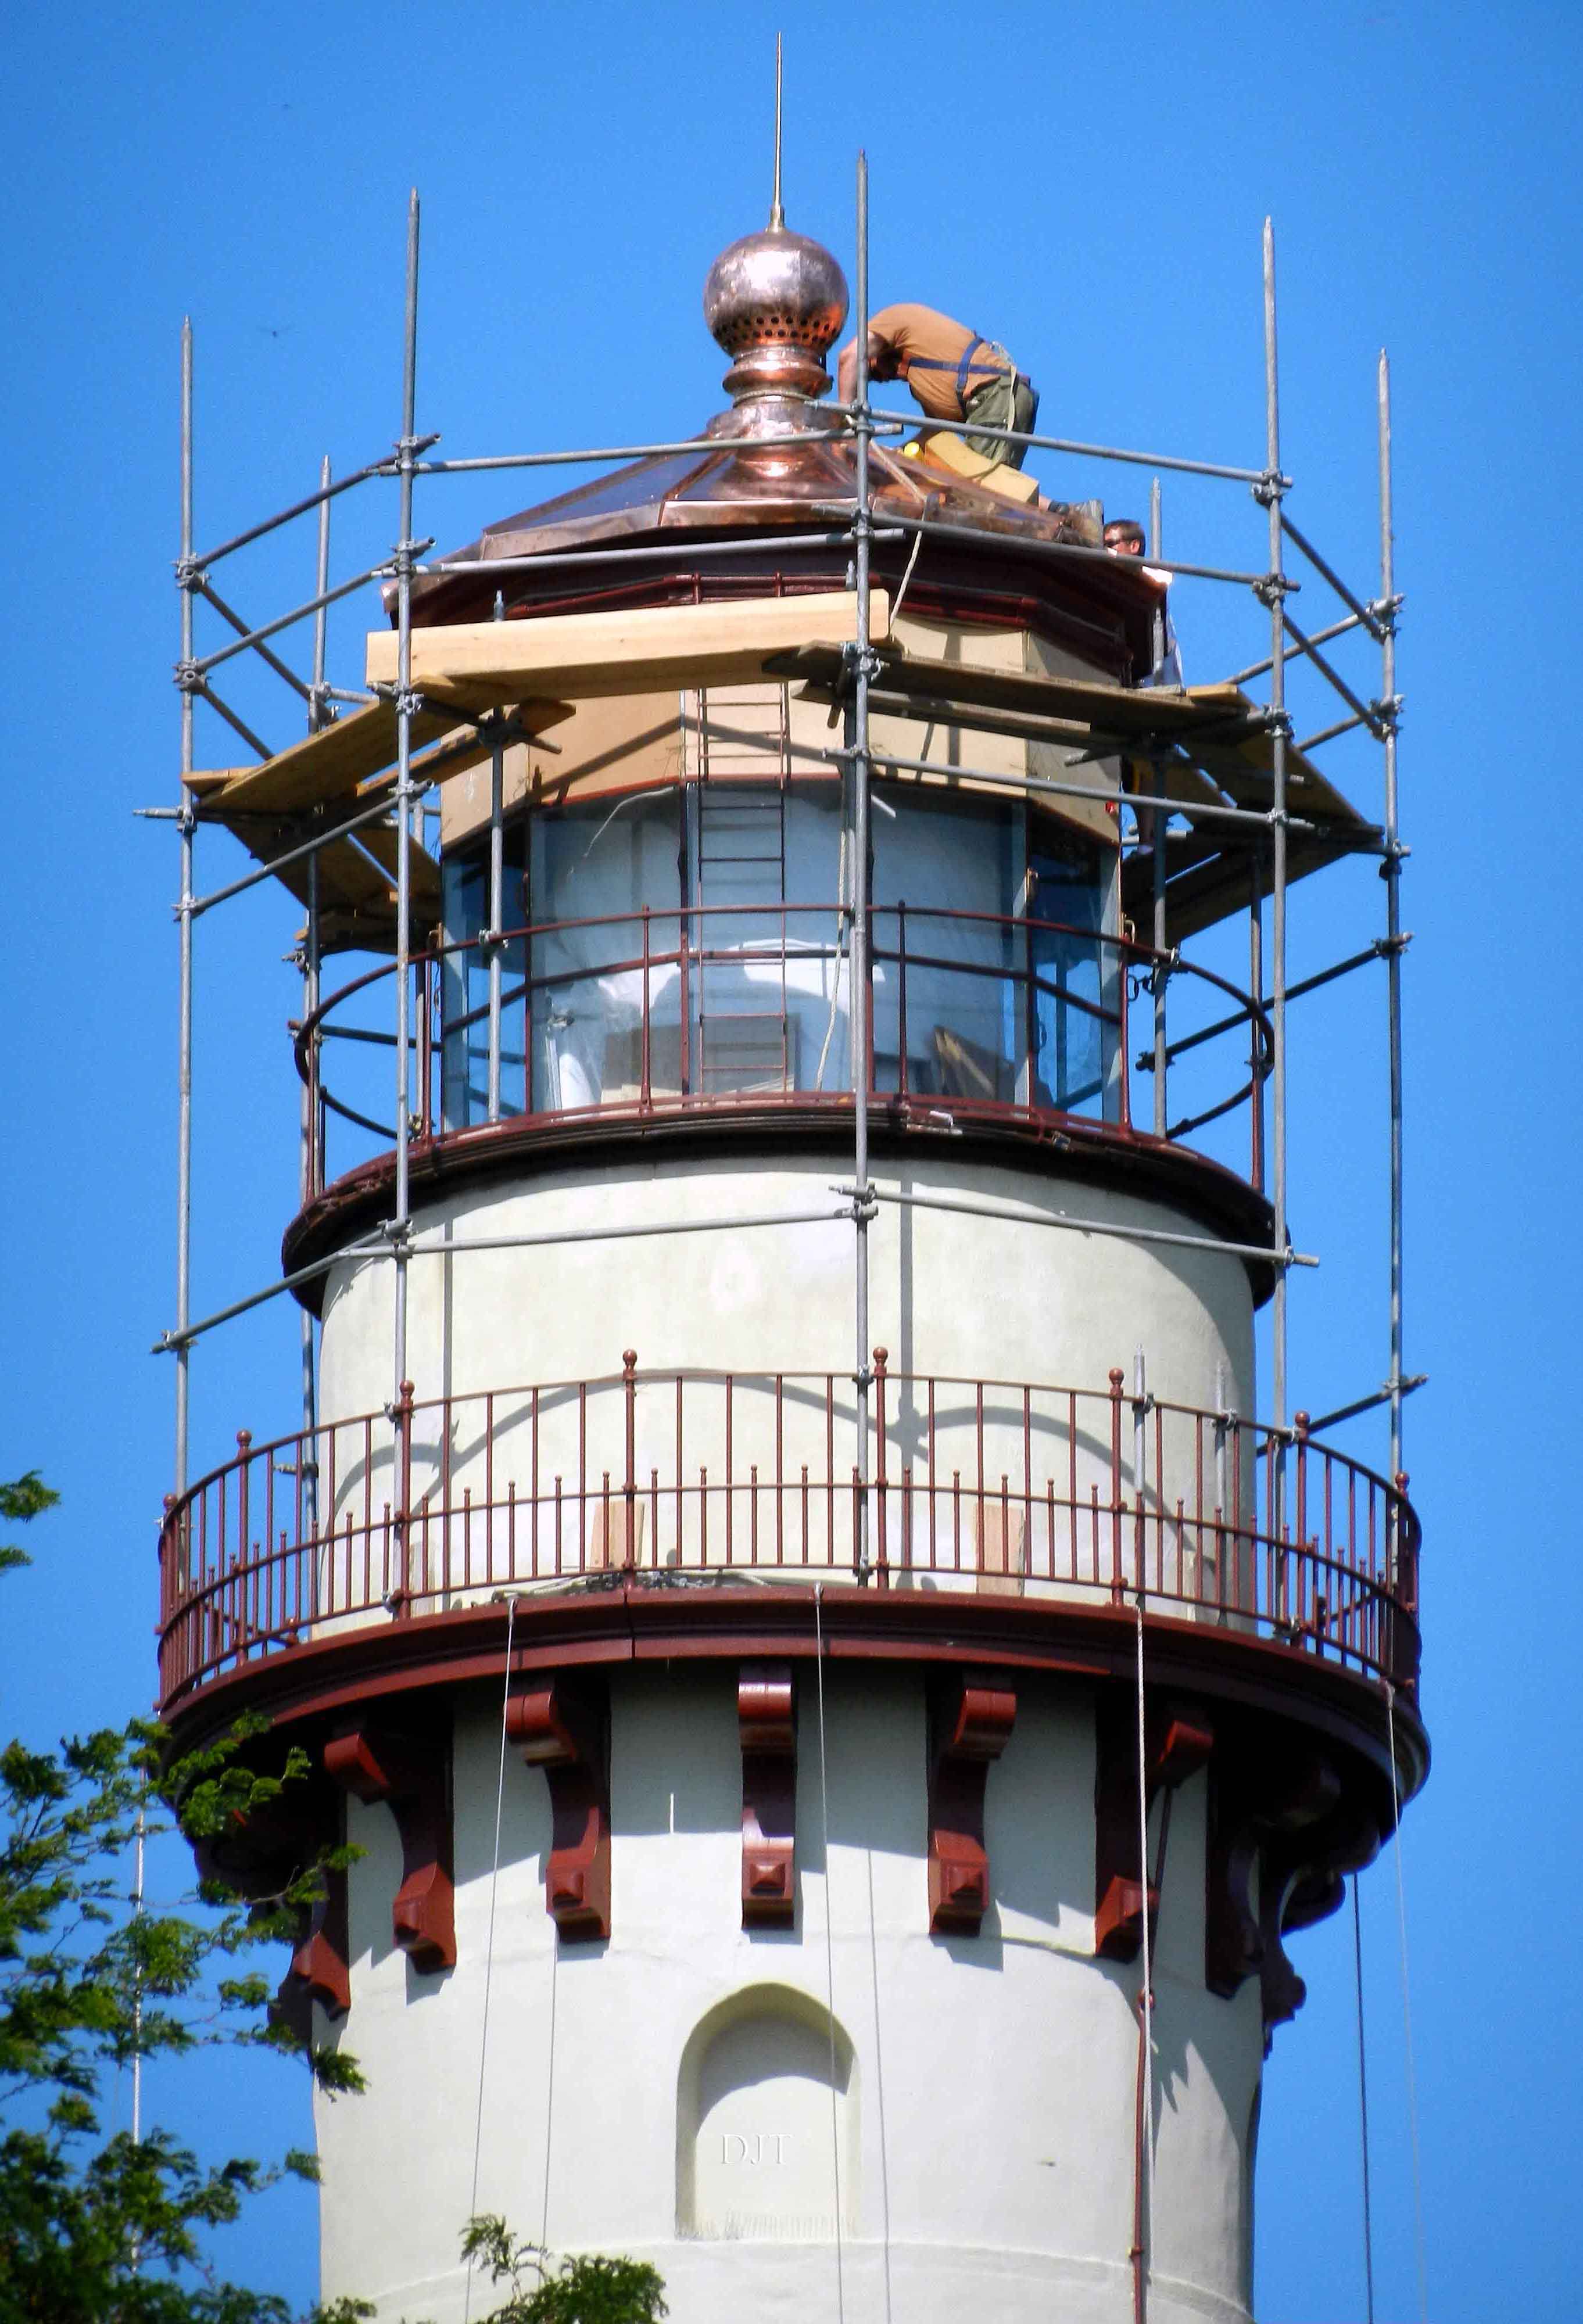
(713, 1007)
(1006, 1490)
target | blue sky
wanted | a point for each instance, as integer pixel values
(1089, 186)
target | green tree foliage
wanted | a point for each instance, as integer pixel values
(589, 2288)
(24, 1497)
(97, 2229)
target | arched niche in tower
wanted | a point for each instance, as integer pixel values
(761, 2153)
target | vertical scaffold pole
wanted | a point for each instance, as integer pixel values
(1157, 823)
(317, 718)
(1271, 491)
(1156, 551)
(863, 1202)
(1393, 869)
(184, 1069)
(1157, 842)
(401, 1229)
(1255, 985)
(497, 898)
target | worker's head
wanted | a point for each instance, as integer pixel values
(1125, 535)
(882, 365)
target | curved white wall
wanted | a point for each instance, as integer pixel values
(948, 1293)
(979, 1478)
(985, 2086)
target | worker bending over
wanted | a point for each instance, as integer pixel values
(953, 374)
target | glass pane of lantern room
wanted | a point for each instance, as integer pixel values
(606, 967)
(464, 985)
(946, 877)
(1075, 1036)
(768, 1010)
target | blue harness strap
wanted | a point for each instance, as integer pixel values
(968, 352)
(962, 369)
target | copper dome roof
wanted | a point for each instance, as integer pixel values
(735, 485)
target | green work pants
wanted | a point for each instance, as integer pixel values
(1006, 402)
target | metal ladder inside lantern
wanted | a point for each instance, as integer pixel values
(742, 766)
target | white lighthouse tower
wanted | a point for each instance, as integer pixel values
(840, 1695)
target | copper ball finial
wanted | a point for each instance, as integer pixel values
(775, 301)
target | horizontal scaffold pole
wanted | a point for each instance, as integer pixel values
(285, 620)
(941, 529)
(378, 813)
(1386, 1395)
(191, 567)
(1193, 808)
(1121, 1233)
(1081, 451)
(1367, 614)
(671, 547)
(1379, 950)
(228, 614)
(487, 462)
(1320, 638)
(417, 1247)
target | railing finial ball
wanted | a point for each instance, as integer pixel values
(629, 1359)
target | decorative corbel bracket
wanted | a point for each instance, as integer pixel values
(563, 1729)
(971, 1717)
(261, 1859)
(410, 1774)
(766, 1715)
(1281, 1835)
(319, 1970)
(1178, 1742)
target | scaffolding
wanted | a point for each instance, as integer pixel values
(351, 858)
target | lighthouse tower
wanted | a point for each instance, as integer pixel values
(840, 1695)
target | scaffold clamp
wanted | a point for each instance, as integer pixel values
(865, 1202)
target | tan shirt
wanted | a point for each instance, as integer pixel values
(920, 340)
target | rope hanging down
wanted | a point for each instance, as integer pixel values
(1407, 2022)
(489, 1948)
(879, 2086)
(1146, 2231)
(824, 1807)
(1368, 2225)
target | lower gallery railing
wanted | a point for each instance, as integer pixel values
(993, 1487)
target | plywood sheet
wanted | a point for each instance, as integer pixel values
(621, 742)
(337, 763)
(356, 897)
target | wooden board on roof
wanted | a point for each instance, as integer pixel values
(1094, 709)
(474, 664)
(1219, 756)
